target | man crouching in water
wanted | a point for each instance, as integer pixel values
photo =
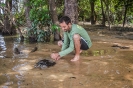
(75, 37)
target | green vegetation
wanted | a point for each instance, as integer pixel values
(103, 12)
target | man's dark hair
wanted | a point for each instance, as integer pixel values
(65, 19)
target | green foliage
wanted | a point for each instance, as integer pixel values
(33, 30)
(84, 12)
(60, 7)
(2, 4)
(120, 5)
(41, 35)
(39, 11)
(54, 27)
(116, 10)
(40, 18)
(40, 15)
(20, 17)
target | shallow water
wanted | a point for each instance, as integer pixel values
(102, 66)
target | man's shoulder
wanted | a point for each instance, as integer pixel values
(76, 26)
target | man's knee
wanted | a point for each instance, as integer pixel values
(76, 36)
(60, 43)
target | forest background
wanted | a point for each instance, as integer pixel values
(39, 18)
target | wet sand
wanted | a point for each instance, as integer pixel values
(102, 66)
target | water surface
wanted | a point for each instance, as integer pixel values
(102, 66)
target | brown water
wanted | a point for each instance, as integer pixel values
(102, 66)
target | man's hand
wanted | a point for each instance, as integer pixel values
(55, 56)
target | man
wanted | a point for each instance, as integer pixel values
(75, 37)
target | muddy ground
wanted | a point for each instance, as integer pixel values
(107, 64)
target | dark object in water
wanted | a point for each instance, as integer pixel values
(22, 38)
(44, 64)
(35, 49)
(115, 46)
(73, 77)
(124, 47)
(121, 47)
(16, 51)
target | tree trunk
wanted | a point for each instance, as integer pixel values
(107, 9)
(108, 18)
(53, 13)
(125, 13)
(7, 24)
(71, 10)
(93, 14)
(27, 15)
(126, 4)
(103, 14)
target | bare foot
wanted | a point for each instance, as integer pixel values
(76, 58)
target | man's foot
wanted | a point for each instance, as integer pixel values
(76, 58)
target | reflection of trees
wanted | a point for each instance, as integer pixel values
(2, 46)
(2, 43)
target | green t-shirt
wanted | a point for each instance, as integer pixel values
(68, 45)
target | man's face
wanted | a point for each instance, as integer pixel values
(64, 26)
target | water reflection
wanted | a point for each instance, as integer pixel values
(2, 43)
(89, 72)
(2, 47)
(22, 48)
(8, 83)
(98, 52)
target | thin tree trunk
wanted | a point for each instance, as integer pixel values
(7, 24)
(93, 15)
(27, 10)
(53, 12)
(125, 13)
(126, 4)
(107, 9)
(103, 14)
